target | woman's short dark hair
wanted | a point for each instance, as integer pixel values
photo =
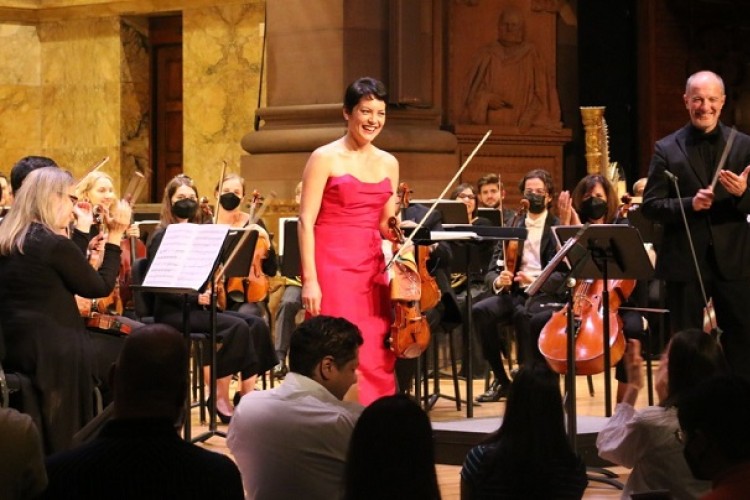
(587, 184)
(323, 336)
(693, 356)
(391, 453)
(365, 86)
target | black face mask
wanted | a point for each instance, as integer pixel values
(537, 202)
(229, 201)
(592, 209)
(185, 208)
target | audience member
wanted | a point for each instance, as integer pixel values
(714, 419)
(644, 440)
(139, 454)
(291, 441)
(529, 455)
(391, 453)
(22, 472)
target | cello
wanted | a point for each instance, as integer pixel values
(588, 314)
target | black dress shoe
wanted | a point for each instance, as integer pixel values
(223, 418)
(280, 371)
(494, 393)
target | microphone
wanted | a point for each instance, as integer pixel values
(670, 176)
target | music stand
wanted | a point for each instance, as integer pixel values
(451, 211)
(612, 251)
(491, 214)
(235, 258)
(289, 248)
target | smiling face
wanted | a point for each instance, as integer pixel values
(704, 99)
(102, 193)
(366, 120)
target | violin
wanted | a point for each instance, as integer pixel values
(409, 333)
(431, 295)
(588, 312)
(510, 248)
(107, 324)
(132, 247)
(112, 303)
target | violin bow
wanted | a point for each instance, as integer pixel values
(93, 169)
(218, 192)
(434, 205)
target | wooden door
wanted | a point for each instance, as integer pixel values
(166, 40)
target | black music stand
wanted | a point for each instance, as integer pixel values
(235, 259)
(290, 258)
(482, 234)
(612, 251)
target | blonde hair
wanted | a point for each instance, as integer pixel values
(38, 200)
(85, 185)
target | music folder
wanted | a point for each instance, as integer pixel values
(452, 211)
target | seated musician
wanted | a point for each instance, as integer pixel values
(491, 193)
(231, 194)
(97, 189)
(508, 302)
(41, 269)
(593, 200)
(237, 334)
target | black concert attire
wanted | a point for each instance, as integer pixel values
(141, 458)
(44, 332)
(721, 235)
(237, 353)
(512, 307)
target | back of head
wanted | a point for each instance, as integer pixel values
(693, 356)
(25, 166)
(319, 337)
(533, 427)
(714, 417)
(391, 453)
(149, 376)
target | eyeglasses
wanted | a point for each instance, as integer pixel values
(680, 436)
(466, 197)
(540, 192)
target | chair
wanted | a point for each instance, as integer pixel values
(144, 309)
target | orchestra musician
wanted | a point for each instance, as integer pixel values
(593, 200)
(237, 352)
(510, 307)
(491, 193)
(230, 195)
(41, 270)
(348, 189)
(97, 189)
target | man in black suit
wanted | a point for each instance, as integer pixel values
(717, 218)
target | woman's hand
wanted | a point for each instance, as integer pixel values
(84, 215)
(117, 221)
(134, 231)
(311, 297)
(96, 250)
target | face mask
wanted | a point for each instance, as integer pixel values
(537, 203)
(185, 209)
(229, 201)
(593, 208)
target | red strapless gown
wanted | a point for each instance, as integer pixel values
(349, 261)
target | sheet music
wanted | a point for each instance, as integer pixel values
(453, 235)
(186, 256)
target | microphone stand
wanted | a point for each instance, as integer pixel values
(715, 330)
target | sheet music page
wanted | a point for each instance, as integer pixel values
(186, 255)
(453, 235)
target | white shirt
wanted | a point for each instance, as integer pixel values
(291, 442)
(645, 441)
(531, 261)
